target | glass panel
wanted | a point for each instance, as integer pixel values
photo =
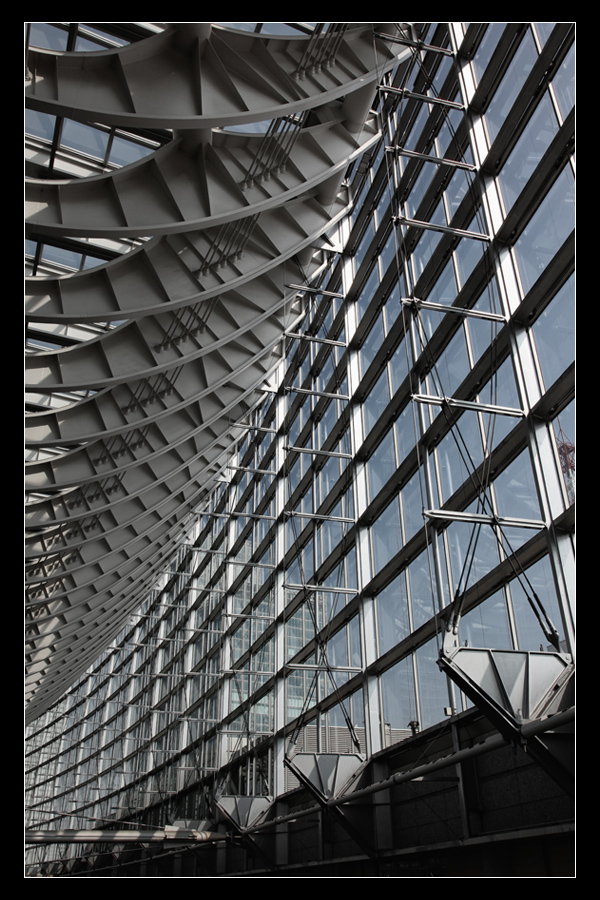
(444, 290)
(367, 291)
(544, 30)
(329, 535)
(473, 552)
(487, 46)
(482, 332)
(382, 465)
(548, 229)
(448, 131)
(102, 37)
(405, 432)
(554, 333)
(377, 401)
(421, 591)
(528, 151)
(355, 658)
(398, 696)
(239, 26)
(470, 250)
(337, 656)
(418, 189)
(399, 365)
(458, 453)
(278, 28)
(39, 124)
(386, 536)
(393, 307)
(47, 36)
(443, 70)
(124, 152)
(459, 187)
(85, 45)
(365, 243)
(564, 84)
(387, 256)
(433, 688)
(511, 85)
(412, 506)
(87, 140)
(487, 625)
(452, 366)
(372, 344)
(516, 496)
(67, 258)
(428, 242)
(344, 574)
(409, 138)
(327, 477)
(529, 633)
(392, 614)
(300, 693)
(501, 390)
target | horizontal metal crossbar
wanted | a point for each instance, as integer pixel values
(317, 340)
(445, 229)
(247, 616)
(506, 521)
(432, 400)
(414, 96)
(311, 290)
(238, 515)
(242, 733)
(205, 590)
(438, 160)
(318, 452)
(316, 393)
(322, 668)
(319, 587)
(301, 515)
(459, 310)
(250, 469)
(253, 427)
(418, 45)
(247, 672)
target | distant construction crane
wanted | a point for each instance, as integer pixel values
(566, 453)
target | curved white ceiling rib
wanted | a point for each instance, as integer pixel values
(194, 76)
(182, 270)
(199, 309)
(194, 184)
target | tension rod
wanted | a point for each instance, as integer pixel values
(459, 310)
(438, 160)
(446, 229)
(317, 340)
(311, 290)
(318, 452)
(418, 45)
(414, 96)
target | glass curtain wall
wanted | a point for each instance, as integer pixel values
(418, 444)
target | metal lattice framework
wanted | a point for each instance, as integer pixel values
(125, 439)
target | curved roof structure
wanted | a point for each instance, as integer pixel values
(168, 342)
